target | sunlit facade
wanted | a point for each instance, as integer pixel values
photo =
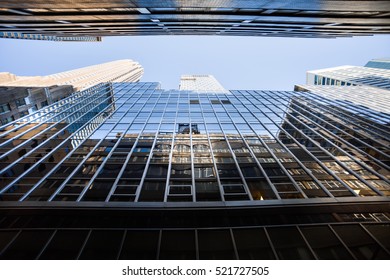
(88, 20)
(124, 70)
(350, 76)
(130, 171)
(23, 95)
(201, 83)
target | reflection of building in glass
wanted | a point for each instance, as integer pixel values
(61, 20)
(188, 175)
(20, 96)
(16, 102)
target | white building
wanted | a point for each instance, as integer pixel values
(115, 71)
(199, 83)
(350, 76)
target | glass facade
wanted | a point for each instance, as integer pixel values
(278, 18)
(196, 175)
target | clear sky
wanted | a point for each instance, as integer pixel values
(237, 62)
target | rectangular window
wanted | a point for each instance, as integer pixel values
(7, 120)
(4, 108)
(20, 102)
(23, 113)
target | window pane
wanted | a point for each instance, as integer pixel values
(360, 243)
(252, 244)
(289, 244)
(27, 245)
(325, 244)
(140, 245)
(102, 245)
(215, 245)
(65, 245)
(178, 245)
(381, 233)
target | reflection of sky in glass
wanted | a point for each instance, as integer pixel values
(141, 108)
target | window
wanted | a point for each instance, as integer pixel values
(184, 128)
(20, 102)
(44, 103)
(7, 120)
(23, 113)
(4, 108)
(178, 245)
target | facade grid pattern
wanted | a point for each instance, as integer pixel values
(278, 18)
(158, 146)
(228, 243)
(130, 171)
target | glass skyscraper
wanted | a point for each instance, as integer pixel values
(350, 76)
(364, 87)
(131, 171)
(88, 20)
(381, 63)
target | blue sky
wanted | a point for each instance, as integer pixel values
(237, 62)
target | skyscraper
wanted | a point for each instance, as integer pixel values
(131, 171)
(381, 63)
(28, 36)
(350, 76)
(20, 96)
(59, 20)
(200, 83)
(364, 87)
(124, 70)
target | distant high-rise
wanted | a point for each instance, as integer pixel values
(130, 171)
(381, 63)
(85, 19)
(364, 87)
(200, 83)
(124, 70)
(20, 96)
(350, 76)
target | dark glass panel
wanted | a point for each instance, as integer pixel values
(289, 244)
(360, 243)
(27, 245)
(252, 244)
(140, 245)
(102, 245)
(215, 245)
(65, 245)
(325, 244)
(178, 245)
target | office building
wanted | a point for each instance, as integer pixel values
(131, 171)
(20, 96)
(363, 87)
(382, 63)
(20, 35)
(200, 83)
(124, 70)
(88, 19)
(350, 76)
(363, 96)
